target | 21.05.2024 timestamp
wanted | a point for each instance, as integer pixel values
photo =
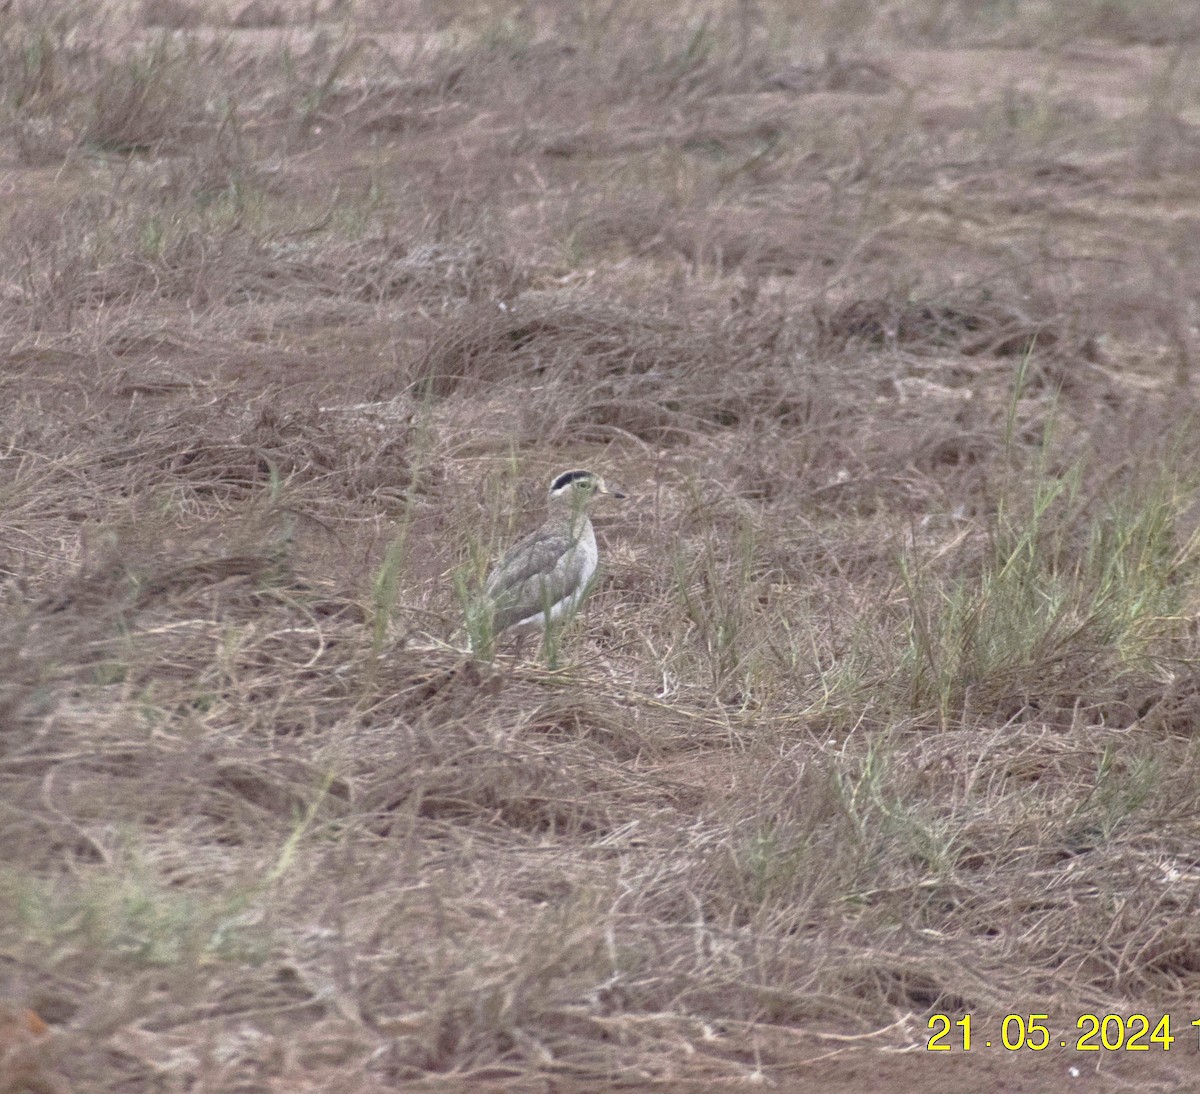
(1092, 1033)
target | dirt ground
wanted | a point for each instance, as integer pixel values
(885, 318)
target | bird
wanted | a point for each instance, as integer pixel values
(543, 578)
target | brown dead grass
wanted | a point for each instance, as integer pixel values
(884, 706)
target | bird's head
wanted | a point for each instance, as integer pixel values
(577, 489)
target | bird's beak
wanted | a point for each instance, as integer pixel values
(613, 492)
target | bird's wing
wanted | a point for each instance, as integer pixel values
(537, 572)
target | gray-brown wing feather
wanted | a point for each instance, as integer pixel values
(536, 573)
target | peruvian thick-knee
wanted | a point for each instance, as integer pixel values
(543, 578)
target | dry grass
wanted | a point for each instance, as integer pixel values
(884, 704)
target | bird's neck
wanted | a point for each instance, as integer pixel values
(575, 517)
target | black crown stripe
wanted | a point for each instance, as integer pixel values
(569, 477)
